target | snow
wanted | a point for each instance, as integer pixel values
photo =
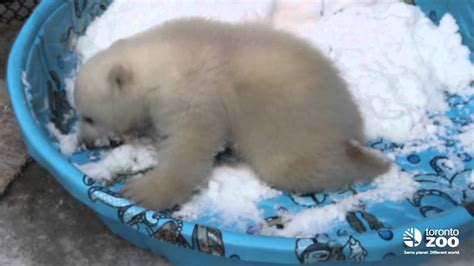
(67, 142)
(27, 86)
(135, 157)
(69, 86)
(385, 50)
(392, 186)
(391, 69)
(232, 192)
(467, 138)
(116, 22)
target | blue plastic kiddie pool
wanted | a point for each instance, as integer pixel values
(42, 57)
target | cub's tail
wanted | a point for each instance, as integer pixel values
(368, 163)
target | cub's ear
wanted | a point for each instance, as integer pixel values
(120, 76)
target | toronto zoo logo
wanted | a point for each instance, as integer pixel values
(412, 237)
(438, 241)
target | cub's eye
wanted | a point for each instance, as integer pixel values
(88, 120)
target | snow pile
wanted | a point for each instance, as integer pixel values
(124, 18)
(233, 193)
(135, 157)
(394, 60)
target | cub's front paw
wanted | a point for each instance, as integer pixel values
(150, 193)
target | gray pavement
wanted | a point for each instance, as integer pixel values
(41, 224)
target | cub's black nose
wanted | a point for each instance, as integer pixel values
(89, 145)
(112, 143)
(115, 142)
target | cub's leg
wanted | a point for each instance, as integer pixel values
(185, 157)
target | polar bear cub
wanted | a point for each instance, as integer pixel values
(203, 84)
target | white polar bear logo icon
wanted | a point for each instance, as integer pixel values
(412, 237)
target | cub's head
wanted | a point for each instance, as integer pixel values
(104, 95)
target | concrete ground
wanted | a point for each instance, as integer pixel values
(41, 224)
